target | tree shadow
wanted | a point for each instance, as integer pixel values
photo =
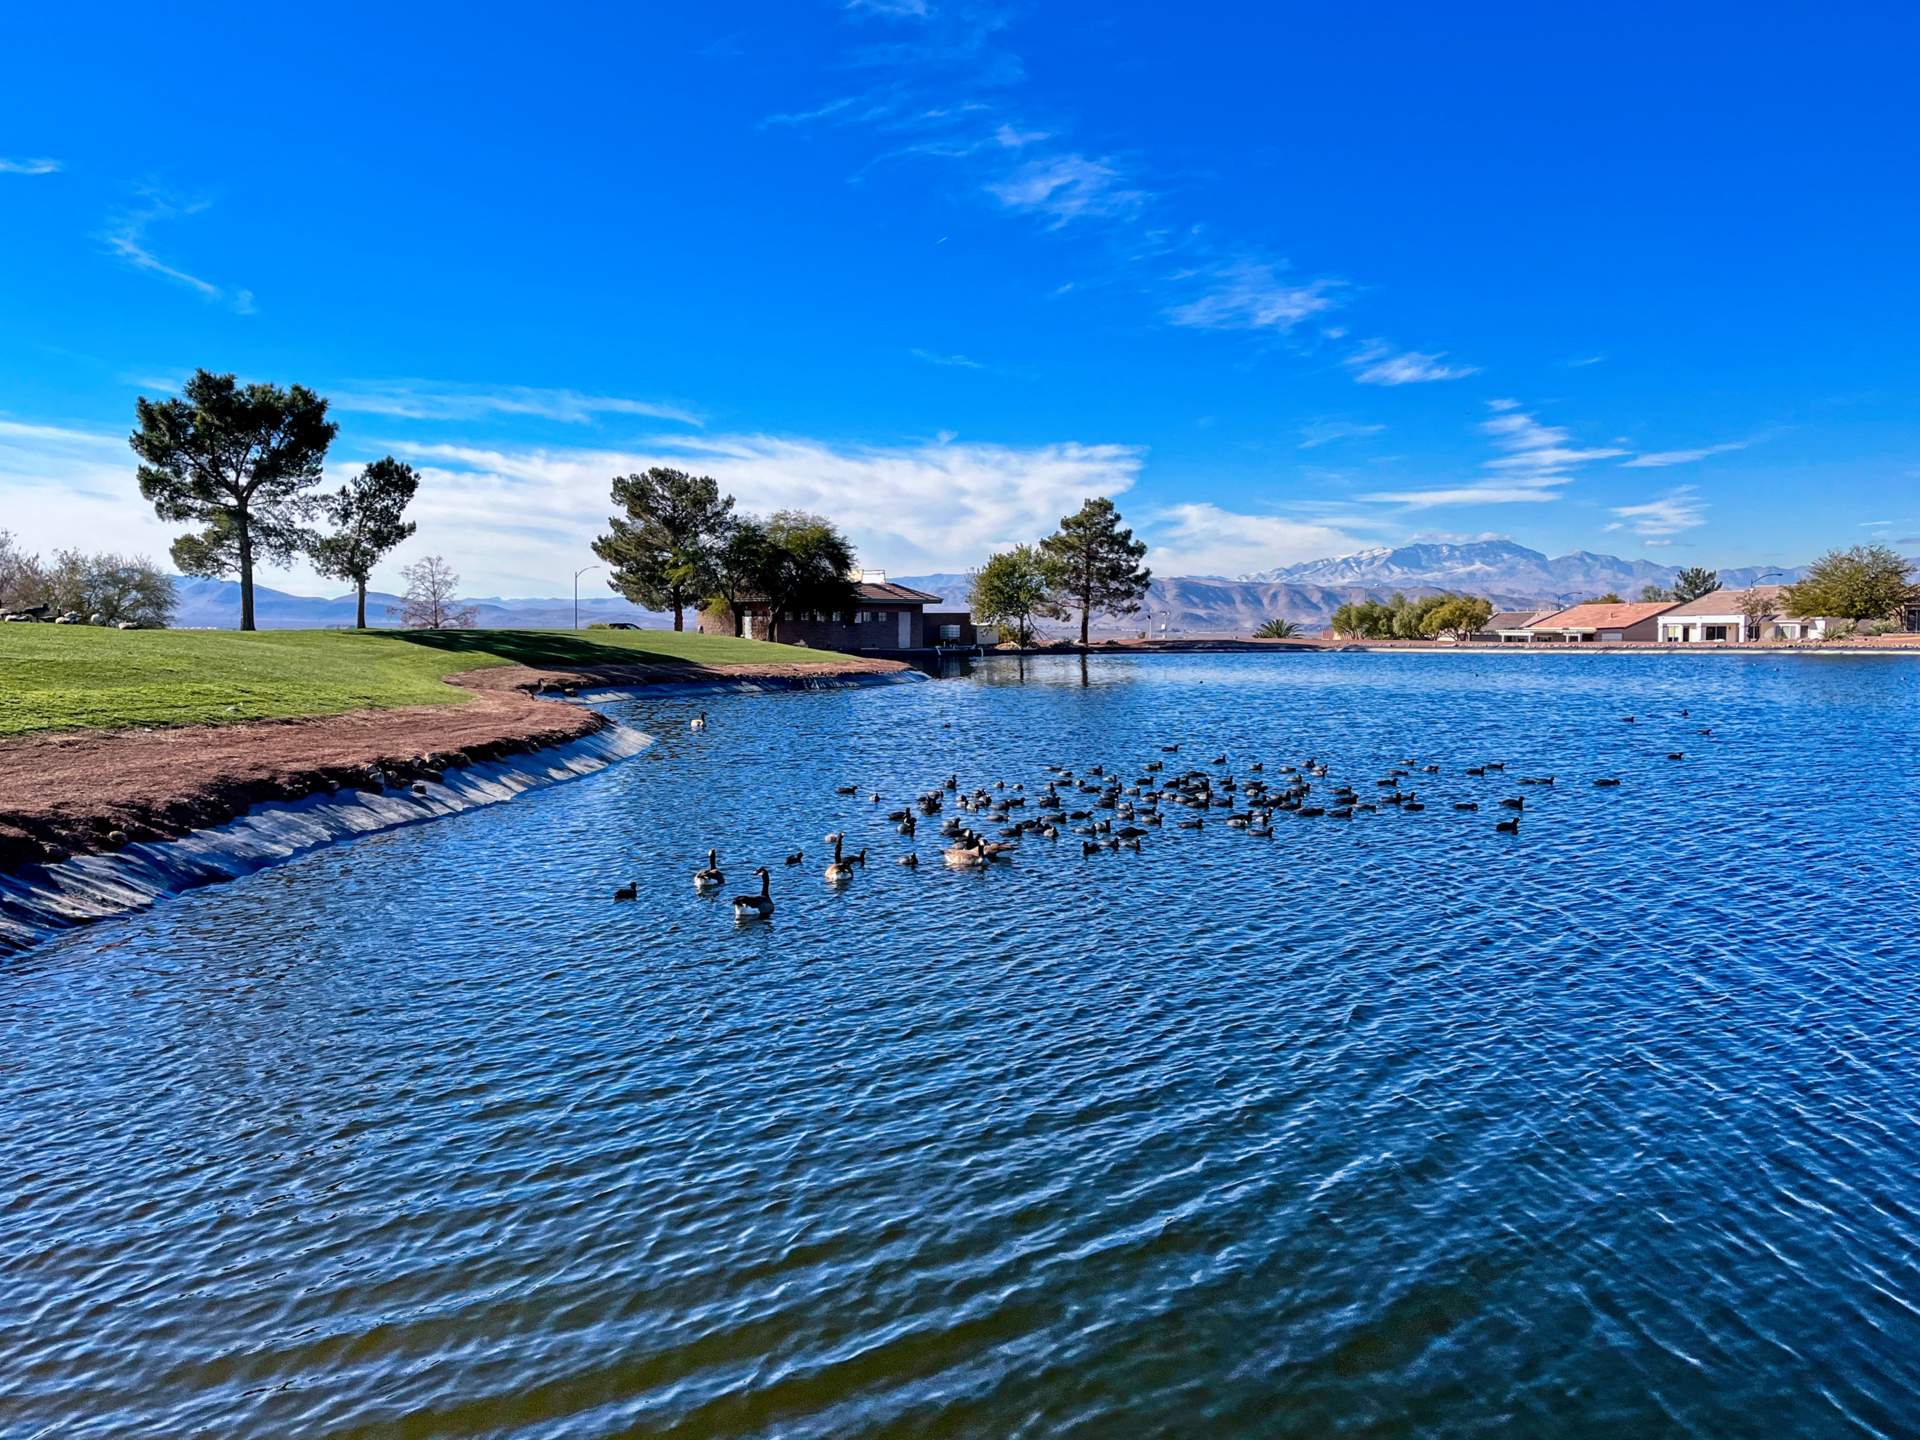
(538, 648)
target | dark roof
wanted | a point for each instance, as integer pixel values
(1511, 619)
(898, 594)
(872, 592)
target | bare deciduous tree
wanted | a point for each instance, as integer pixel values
(431, 601)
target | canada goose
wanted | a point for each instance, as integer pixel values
(699, 722)
(628, 891)
(840, 871)
(1509, 827)
(911, 860)
(796, 857)
(756, 907)
(708, 878)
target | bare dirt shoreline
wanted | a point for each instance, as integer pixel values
(79, 792)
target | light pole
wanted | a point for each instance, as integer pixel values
(576, 592)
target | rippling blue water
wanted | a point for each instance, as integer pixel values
(1397, 1126)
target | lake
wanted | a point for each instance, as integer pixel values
(1388, 1126)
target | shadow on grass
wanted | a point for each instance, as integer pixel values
(539, 648)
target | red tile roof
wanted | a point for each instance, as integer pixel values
(1595, 616)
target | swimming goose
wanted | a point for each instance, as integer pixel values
(710, 877)
(628, 891)
(796, 857)
(841, 870)
(756, 907)
(699, 722)
(1509, 827)
(911, 860)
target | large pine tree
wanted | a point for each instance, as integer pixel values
(663, 552)
(237, 461)
(1093, 564)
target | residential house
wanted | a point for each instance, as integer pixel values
(1508, 626)
(1733, 616)
(1598, 622)
(884, 616)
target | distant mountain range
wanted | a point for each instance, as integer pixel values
(1510, 575)
(215, 604)
(1495, 566)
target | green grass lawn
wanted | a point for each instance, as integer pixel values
(73, 677)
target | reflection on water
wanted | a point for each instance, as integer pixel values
(1390, 1126)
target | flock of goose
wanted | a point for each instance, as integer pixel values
(1112, 813)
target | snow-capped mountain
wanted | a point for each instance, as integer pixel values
(1482, 566)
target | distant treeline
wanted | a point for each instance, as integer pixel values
(102, 589)
(1410, 617)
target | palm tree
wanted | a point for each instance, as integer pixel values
(1277, 630)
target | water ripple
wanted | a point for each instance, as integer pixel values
(1392, 1126)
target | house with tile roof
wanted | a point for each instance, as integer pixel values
(1508, 626)
(1726, 617)
(1601, 621)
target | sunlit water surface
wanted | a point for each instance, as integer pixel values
(1396, 1126)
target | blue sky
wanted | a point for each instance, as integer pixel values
(1285, 280)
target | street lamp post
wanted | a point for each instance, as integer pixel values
(576, 592)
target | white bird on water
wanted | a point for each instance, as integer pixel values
(699, 722)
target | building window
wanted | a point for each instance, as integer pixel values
(1716, 632)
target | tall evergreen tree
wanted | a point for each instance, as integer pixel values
(1693, 582)
(368, 510)
(662, 552)
(1093, 565)
(237, 461)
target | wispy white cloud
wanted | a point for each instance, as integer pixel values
(63, 487)
(1377, 363)
(41, 166)
(1658, 521)
(126, 237)
(1535, 461)
(961, 362)
(440, 400)
(1251, 295)
(1327, 432)
(1203, 539)
(1580, 362)
(1659, 459)
(521, 515)
(517, 519)
(891, 9)
(1068, 187)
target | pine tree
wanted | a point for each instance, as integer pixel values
(1093, 565)
(238, 462)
